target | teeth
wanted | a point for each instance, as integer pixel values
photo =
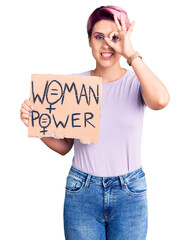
(106, 55)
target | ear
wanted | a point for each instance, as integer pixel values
(89, 41)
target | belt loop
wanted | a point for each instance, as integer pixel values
(87, 181)
(122, 182)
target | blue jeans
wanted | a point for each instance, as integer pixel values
(111, 208)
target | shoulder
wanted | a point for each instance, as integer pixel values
(131, 75)
(86, 73)
(133, 78)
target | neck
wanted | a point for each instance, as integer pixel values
(108, 74)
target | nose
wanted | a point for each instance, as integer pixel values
(105, 44)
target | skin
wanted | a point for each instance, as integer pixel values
(115, 38)
(63, 146)
(109, 70)
(154, 92)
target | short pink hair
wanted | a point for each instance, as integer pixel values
(106, 12)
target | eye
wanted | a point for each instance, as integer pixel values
(115, 38)
(98, 37)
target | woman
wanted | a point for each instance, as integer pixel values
(106, 191)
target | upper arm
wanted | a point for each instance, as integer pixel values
(149, 104)
(146, 102)
(142, 96)
(70, 142)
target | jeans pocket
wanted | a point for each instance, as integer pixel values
(74, 184)
(136, 185)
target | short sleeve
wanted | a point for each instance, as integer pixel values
(143, 102)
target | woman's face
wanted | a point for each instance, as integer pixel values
(101, 51)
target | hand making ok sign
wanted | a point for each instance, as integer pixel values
(122, 45)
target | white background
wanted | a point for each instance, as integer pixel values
(42, 36)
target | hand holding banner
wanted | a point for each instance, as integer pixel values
(65, 106)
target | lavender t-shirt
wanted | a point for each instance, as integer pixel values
(119, 148)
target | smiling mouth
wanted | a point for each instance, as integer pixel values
(107, 54)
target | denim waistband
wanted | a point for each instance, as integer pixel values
(87, 178)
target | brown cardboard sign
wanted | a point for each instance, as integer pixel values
(65, 106)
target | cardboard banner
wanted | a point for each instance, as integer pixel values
(65, 106)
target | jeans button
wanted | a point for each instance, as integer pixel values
(106, 180)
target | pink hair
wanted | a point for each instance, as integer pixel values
(106, 12)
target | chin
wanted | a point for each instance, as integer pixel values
(106, 64)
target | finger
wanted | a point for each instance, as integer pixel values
(114, 33)
(25, 121)
(26, 107)
(109, 42)
(117, 22)
(24, 116)
(28, 103)
(131, 26)
(22, 110)
(123, 26)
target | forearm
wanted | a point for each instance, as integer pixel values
(58, 145)
(155, 93)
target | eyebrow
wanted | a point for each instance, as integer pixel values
(99, 33)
